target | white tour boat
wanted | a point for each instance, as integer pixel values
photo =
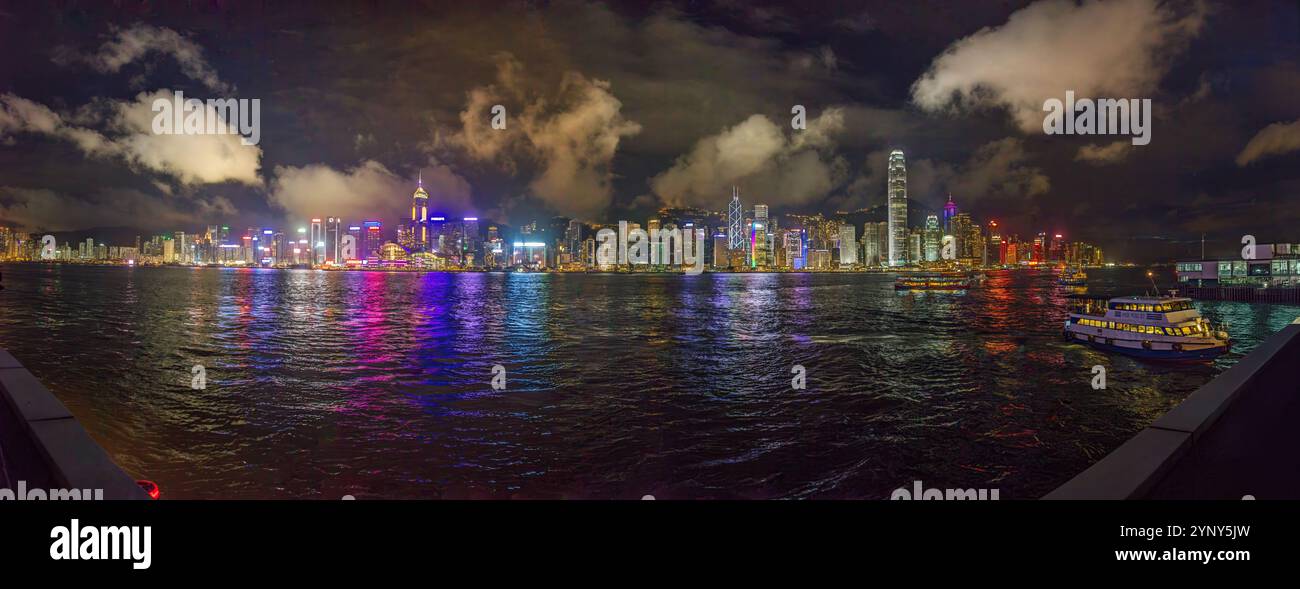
(1165, 328)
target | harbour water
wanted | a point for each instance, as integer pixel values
(378, 385)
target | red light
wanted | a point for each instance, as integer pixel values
(150, 487)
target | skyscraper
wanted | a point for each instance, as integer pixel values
(735, 231)
(316, 242)
(949, 211)
(332, 226)
(999, 252)
(471, 242)
(961, 232)
(933, 238)
(897, 208)
(848, 246)
(374, 238)
(420, 216)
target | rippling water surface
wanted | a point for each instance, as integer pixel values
(321, 384)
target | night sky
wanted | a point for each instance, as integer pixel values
(618, 109)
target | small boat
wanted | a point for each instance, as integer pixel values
(950, 281)
(1159, 327)
(1074, 277)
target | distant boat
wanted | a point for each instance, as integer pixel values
(949, 281)
(1162, 328)
(1075, 277)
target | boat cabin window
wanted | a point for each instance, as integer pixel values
(1169, 307)
(1151, 329)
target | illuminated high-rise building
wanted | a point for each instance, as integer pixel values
(848, 246)
(437, 235)
(355, 232)
(332, 235)
(373, 240)
(875, 243)
(721, 250)
(573, 240)
(998, 249)
(419, 226)
(471, 242)
(960, 229)
(795, 255)
(897, 208)
(316, 242)
(933, 238)
(735, 231)
(949, 211)
(657, 247)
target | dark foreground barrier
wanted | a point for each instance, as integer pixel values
(43, 447)
(1236, 436)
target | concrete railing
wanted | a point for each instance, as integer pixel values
(42, 445)
(1235, 436)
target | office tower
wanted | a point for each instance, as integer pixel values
(180, 249)
(758, 244)
(915, 245)
(721, 259)
(470, 241)
(949, 211)
(419, 225)
(735, 232)
(355, 232)
(961, 233)
(573, 239)
(762, 243)
(998, 252)
(657, 248)
(897, 208)
(1040, 247)
(437, 230)
(374, 239)
(933, 238)
(793, 244)
(316, 242)
(332, 227)
(848, 246)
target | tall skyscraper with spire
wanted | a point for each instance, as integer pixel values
(897, 208)
(949, 211)
(735, 231)
(420, 216)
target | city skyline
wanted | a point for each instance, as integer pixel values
(761, 242)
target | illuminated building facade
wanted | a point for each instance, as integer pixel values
(372, 240)
(897, 208)
(419, 227)
(848, 246)
(735, 232)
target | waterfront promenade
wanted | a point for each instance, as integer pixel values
(43, 447)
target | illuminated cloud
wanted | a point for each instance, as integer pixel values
(368, 191)
(1118, 49)
(132, 44)
(1104, 154)
(1274, 139)
(569, 136)
(787, 168)
(125, 131)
